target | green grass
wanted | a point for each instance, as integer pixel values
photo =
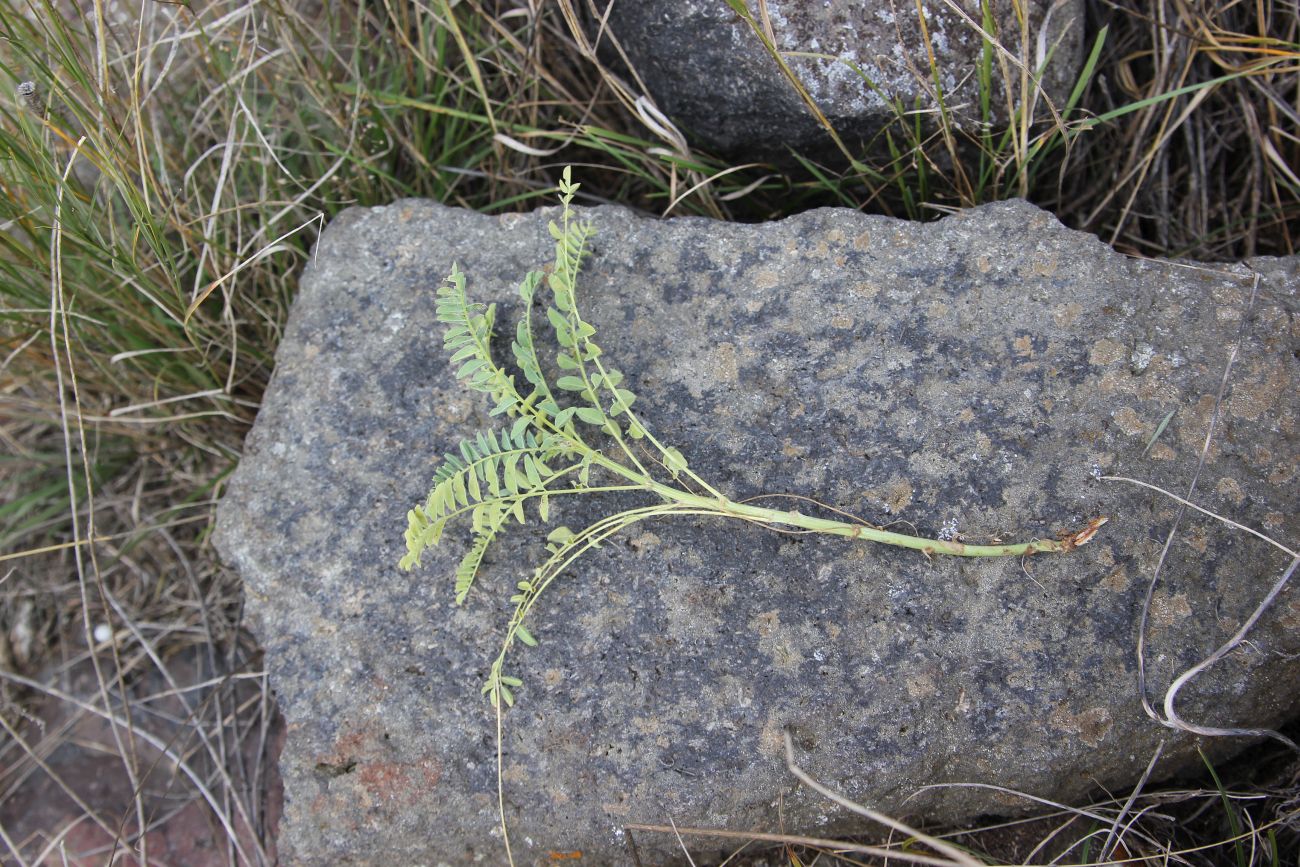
(165, 173)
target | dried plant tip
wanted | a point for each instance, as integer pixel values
(1084, 536)
(27, 95)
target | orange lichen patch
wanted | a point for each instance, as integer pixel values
(1091, 725)
(1023, 346)
(363, 756)
(921, 686)
(381, 777)
(1105, 352)
(862, 242)
(1289, 617)
(770, 738)
(793, 450)
(766, 279)
(1118, 381)
(1044, 267)
(618, 809)
(648, 725)
(1129, 421)
(644, 542)
(347, 748)
(1116, 579)
(1283, 472)
(1065, 315)
(725, 368)
(896, 495)
(774, 641)
(1259, 392)
(765, 623)
(1194, 421)
(863, 289)
(1161, 452)
(784, 657)
(1167, 610)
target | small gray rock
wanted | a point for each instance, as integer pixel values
(971, 376)
(708, 71)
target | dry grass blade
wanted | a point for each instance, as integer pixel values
(1189, 504)
(1098, 813)
(1201, 113)
(164, 750)
(956, 855)
(1170, 717)
(1114, 835)
(59, 328)
(836, 846)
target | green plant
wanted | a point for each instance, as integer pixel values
(545, 452)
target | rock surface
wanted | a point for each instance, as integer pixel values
(976, 373)
(709, 72)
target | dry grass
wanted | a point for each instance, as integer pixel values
(165, 170)
(1212, 172)
(1248, 815)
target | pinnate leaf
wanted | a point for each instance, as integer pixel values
(570, 383)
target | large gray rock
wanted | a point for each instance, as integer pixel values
(977, 372)
(709, 72)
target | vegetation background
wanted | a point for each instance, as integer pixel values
(166, 168)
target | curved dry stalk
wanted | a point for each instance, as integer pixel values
(899, 855)
(59, 325)
(1189, 504)
(957, 855)
(159, 744)
(1113, 836)
(1085, 812)
(1171, 718)
(1144, 618)
(1175, 721)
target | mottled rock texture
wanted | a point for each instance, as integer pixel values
(976, 372)
(709, 72)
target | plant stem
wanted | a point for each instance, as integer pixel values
(795, 518)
